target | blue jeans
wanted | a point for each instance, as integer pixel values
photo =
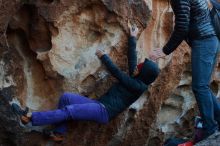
(204, 53)
(71, 107)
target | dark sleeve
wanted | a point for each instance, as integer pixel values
(127, 81)
(181, 10)
(132, 55)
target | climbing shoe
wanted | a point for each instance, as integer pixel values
(22, 113)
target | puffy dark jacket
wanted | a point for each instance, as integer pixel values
(192, 21)
(128, 89)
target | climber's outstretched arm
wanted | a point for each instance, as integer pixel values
(129, 82)
(132, 53)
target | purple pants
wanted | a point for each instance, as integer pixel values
(71, 107)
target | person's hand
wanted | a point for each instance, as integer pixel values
(136, 72)
(156, 54)
(133, 30)
(209, 4)
(99, 53)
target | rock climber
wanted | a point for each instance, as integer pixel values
(121, 95)
(193, 24)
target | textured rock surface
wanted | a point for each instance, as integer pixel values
(213, 140)
(48, 47)
(63, 36)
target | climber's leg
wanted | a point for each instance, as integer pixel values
(69, 99)
(88, 111)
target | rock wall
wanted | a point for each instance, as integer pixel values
(210, 141)
(56, 42)
(47, 47)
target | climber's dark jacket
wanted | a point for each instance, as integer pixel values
(128, 89)
(192, 21)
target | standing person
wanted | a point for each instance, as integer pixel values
(193, 24)
(120, 96)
